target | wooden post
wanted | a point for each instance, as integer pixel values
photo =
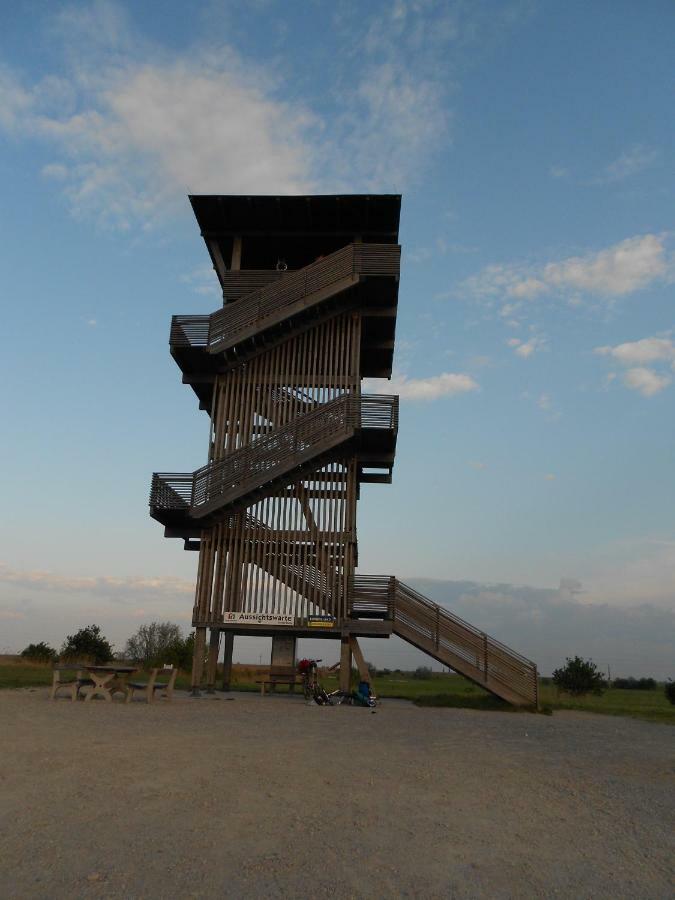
(236, 254)
(198, 660)
(345, 665)
(214, 646)
(228, 642)
(392, 597)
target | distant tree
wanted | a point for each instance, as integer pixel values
(634, 684)
(39, 652)
(579, 676)
(87, 644)
(181, 652)
(159, 644)
(670, 691)
(423, 673)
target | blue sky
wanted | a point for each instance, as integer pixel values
(532, 143)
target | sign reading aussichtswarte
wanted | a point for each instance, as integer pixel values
(244, 618)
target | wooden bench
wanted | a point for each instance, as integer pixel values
(151, 685)
(73, 684)
(280, 675)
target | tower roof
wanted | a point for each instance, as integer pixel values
(374, 217)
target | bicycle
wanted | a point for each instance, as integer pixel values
(308, 670)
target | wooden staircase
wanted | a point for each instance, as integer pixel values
(274, 460)
(447, 638)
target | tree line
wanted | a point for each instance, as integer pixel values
(163, 644)
(153, 645)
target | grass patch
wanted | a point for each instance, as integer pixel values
(650, 705)
(25, 674)
(442, 690)
(457, 701)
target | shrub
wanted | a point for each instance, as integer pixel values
(634, 684)
(422, 673)
(180, 652)
(158, 644)
(670, 691)
(87, 644)
(579, 676)
(39, 652)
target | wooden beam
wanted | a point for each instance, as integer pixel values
(198, 658)
(214, 647)
(345, 665)
(236, 253)
(359, 660)
(217, 258)
(228, 642)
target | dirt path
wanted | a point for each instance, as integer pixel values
(269, 797)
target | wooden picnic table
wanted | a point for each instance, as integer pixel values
(108, 679)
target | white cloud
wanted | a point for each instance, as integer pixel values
(646, 350)
(202, 280)
(133, 130)
(630, 162)
(123, 589)
(625, 267)
(144, 135)
(646, 381)
(636, 354)
(621, 269)
(399, 116)
(447, 384)
(525, 349)
(558, 172)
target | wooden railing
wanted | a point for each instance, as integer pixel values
(270, 456)
(189, 331)
(237, 283)
(446, 637)
(170, 491)
(273, 302)
(372, 596)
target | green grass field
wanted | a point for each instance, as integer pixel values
(439, 690)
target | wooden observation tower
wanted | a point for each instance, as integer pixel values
(310, 292)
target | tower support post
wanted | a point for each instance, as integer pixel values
(212, 663)
(345, 665)
(198, 660)
(228, 642)
(364, 674)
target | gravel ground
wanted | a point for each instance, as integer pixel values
(270, 797)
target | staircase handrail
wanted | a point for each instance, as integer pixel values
(420, 598)
(249, 311)
(327, 423)
(446, 636)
